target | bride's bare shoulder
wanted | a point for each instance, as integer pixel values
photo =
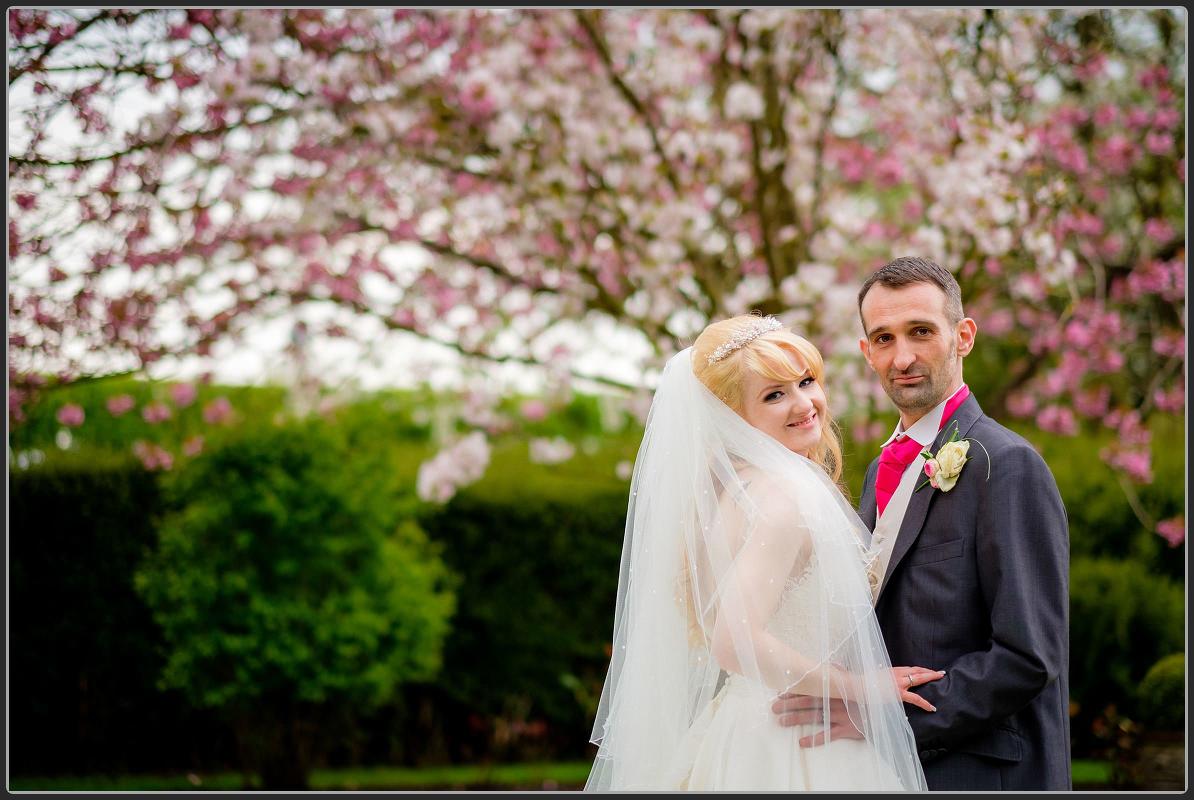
(761, 490)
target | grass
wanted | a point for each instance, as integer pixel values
(557, 775)
(1093, 774)
(548, 775)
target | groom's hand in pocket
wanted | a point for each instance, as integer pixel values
(802, 709)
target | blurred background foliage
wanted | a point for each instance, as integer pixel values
(285, 591)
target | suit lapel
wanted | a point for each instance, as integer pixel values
(866, 504)
(918, 505)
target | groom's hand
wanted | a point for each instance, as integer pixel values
(797, 709)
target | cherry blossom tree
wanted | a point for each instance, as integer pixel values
(475, 177)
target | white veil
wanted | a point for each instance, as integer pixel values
(722, 520)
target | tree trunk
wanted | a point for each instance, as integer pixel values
(277, 746)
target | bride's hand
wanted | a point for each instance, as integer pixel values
(907, 678)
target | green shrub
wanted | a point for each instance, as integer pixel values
(1122, 619)
(1162, 694)
(287, 581)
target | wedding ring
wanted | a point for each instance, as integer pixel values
(909, 681)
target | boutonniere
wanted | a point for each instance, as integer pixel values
(944, 466)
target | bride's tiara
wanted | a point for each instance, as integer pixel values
(742, 339)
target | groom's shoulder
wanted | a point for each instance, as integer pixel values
(1002, 441)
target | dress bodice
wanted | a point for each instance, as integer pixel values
(796, 620)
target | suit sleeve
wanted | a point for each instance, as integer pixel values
(1022, 555)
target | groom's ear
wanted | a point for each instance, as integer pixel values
(967, 328)
(865, 346)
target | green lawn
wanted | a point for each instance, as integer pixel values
(1093, 774)
(568, 775)
(565, 776)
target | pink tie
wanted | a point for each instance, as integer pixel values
(900, 452)
(896, 456)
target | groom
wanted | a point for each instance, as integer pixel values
(973, 570)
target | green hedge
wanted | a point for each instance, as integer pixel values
(84, 652)
(536, 582)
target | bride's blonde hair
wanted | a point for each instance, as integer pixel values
(768, 355)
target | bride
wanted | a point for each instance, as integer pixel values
(744, 576)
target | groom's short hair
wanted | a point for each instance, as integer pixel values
(907, 270)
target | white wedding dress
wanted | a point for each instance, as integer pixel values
(731, 747)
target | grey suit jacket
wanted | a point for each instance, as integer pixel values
(978, 585)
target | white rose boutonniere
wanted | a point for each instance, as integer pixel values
(945, 466)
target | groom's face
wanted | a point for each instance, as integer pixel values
(912, 346)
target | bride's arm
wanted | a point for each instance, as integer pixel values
(751, 588)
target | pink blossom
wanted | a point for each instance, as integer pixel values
(183, 394)
(151, 456)
(1158, 230)
(930, 468)
(1111, 245)
(1132, 432)
(1078, 334)
(16, 402)
(1158, 143)
(1164, 278)
(156, 412)
(889, 171)
(1091, 68)
(1092, 402)
(1109, 361)
(217, 411)
(185, 80)
(1139, 117)
(1172, 401)
(1170, 345)
(551, 451)
(120, 404)
(1072, 157)
(1155, 75)
(1137, 464)
(456, 466)
(1057, 419)
(1116, 154)
(1166, 119)
(1172, 530)
(534, 410)
(193, 446)
(999, 322)
(1020, 404)
(853, 171)
(71, 415)
(1106, 115)
(1044, 341)
(874, 229)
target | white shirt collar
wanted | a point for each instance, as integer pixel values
(925, 429)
